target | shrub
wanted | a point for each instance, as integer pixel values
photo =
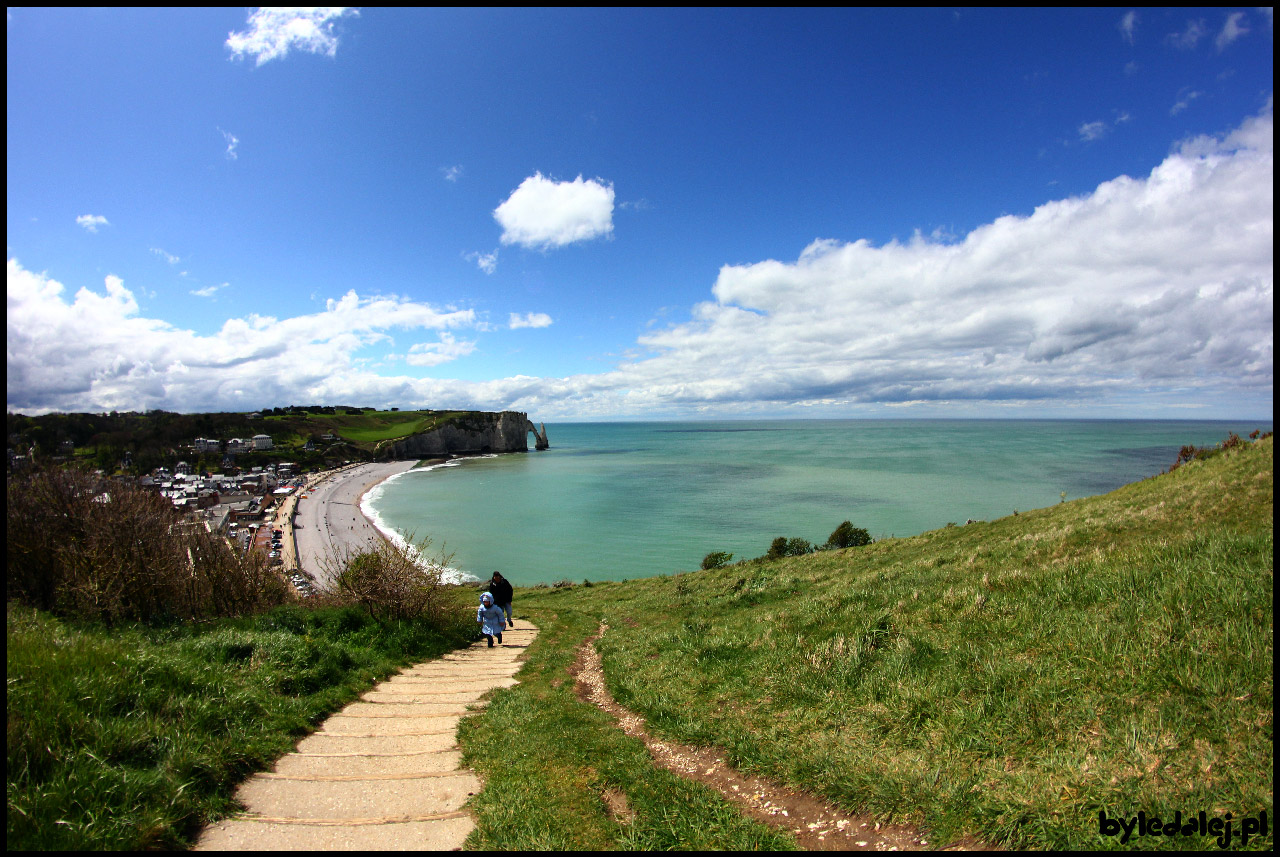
(716, 559)
(783, 546)
(392, 581)
(798, 547)
(78, 545)
(848, 536)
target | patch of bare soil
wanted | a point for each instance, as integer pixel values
(816, 824)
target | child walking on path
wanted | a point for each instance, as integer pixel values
(491, 618)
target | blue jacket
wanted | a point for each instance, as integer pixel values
(490, 616)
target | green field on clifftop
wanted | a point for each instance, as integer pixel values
(1006, 680)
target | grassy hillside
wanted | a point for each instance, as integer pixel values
(1008, 679)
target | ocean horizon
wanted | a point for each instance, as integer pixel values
(622, 500)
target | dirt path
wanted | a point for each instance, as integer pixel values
(816, 824)
(385, 772)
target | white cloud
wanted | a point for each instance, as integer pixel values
(94, 352)
(1189, 37)
(1148, 294)
(1160, 286)
(1128, 24)
(91, 222)
(1185, 97)
(1090, 131)
(542, 213)
(451, 174)
(209, 291)
(487, 262)
(232, 141)
(168, 257)
(435, 353)
(1233, 29)
(273, 32)
(529, 319)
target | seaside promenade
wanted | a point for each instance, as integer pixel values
(384, 773)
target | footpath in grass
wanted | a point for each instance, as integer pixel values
(135, 737)
(560, 776)
(1011, 680)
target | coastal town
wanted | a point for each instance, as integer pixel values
(251, 506)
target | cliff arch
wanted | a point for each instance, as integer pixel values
(539, 437)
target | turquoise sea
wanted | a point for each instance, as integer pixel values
(613, 501)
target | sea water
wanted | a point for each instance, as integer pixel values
(614, 501)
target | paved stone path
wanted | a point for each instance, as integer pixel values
(385, 772)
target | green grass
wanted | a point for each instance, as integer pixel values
(134, 737)
(1007, 680)
(551, 760)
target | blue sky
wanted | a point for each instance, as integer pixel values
(596, 214)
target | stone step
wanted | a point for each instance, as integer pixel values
(438, 834)
(341, 725)
(361, 800)
(409, 696)
(405, 709)
(452, 682)
(336, 765)
(336, 744)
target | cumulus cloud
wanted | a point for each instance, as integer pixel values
(1153, 292)
(91, 222)
(435, 353)
(529, 319)
(543, 213)
(1155, 286)
(273, 32)
(95, 352)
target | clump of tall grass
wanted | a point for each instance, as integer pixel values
(78, 545)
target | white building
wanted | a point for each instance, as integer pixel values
(261, 441)
(205, 444)
(236, 445)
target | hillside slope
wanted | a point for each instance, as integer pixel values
(1009, 679)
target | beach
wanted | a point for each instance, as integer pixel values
(326, 517)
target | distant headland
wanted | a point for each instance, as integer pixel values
(309, 437)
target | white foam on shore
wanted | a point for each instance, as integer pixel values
(447, 574)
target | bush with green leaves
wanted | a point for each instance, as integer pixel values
(848, 536)
(716, 559)
(783, 546)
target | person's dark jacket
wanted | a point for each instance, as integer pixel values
(501, 590)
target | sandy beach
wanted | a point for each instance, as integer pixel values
(328, 520)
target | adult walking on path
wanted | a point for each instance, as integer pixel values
(500, 589)
(383, 773)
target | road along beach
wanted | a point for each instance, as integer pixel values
(328, 520)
